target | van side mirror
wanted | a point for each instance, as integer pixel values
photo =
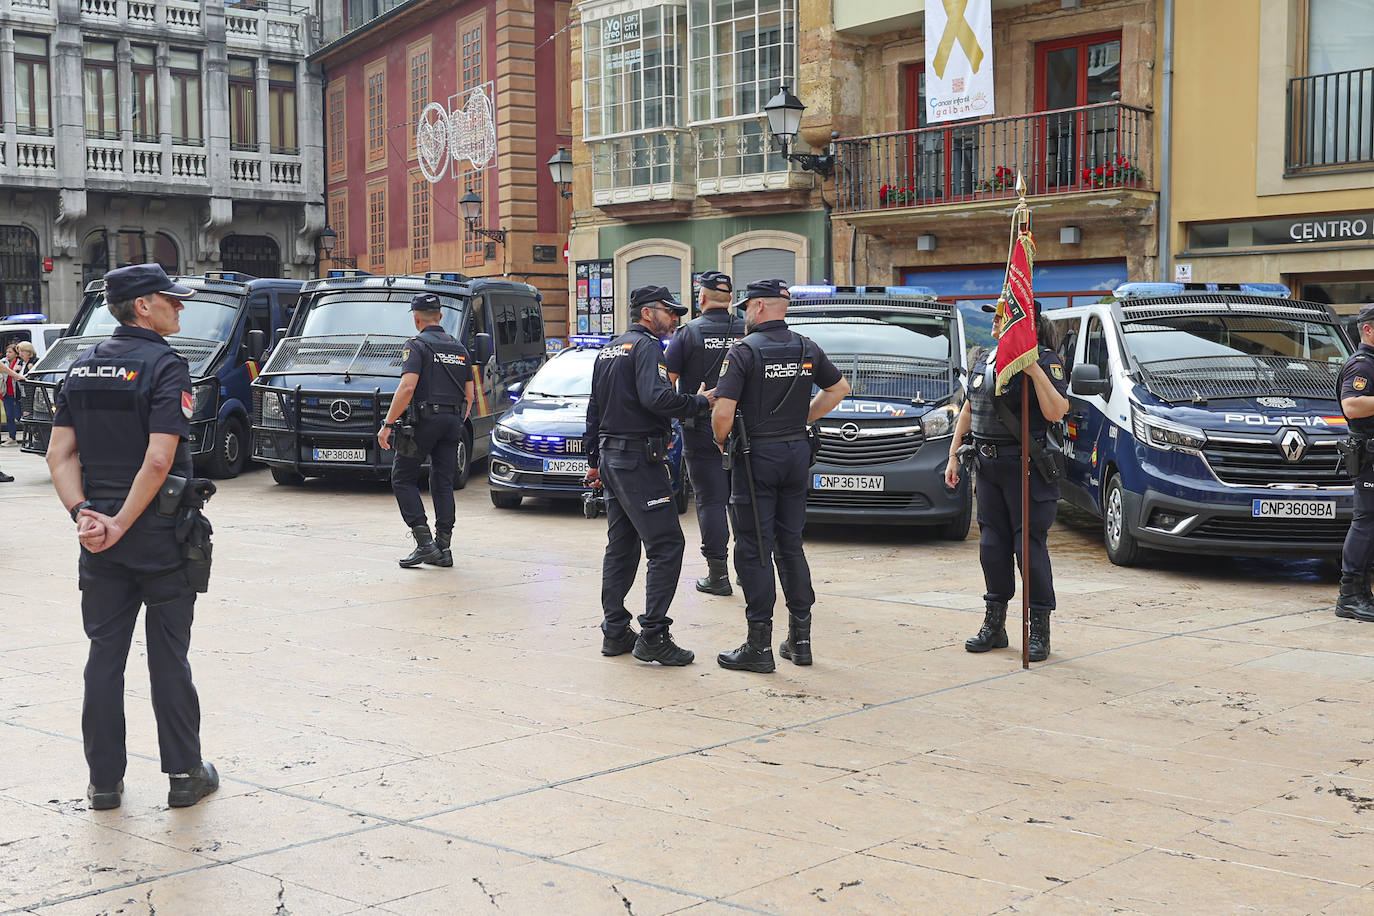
(257, 344)
(279, 336)
(1087, 379)
(514, 389)
(484, 349)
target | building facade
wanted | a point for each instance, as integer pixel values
(387, 65)
(176, 131)
(1273, 145)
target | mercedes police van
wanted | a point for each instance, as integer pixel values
(226, 328)
(323, 394)
(1204, 419)
(884, 448)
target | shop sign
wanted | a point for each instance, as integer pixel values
(1290, 232)
(1342, 229)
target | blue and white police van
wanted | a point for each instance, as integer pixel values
(884, 448)
(1204, 419)
(536, 446)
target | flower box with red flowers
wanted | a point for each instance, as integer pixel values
(1119, 172)
(1003, 179)
(890, 195)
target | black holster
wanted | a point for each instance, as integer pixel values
(1354, 453)
(182, 498)
(813, 441)
(656, 449)
(403, 440)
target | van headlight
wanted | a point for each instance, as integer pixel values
(273, 413)
(506, 435)
(202, 400)
(939, 422)
(1166, 435)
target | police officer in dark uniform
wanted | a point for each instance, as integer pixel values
(629, 427)
(120, 425)
(1356, 386)
(999, 487)
(694, 358)
(436, 383)
(768, 375)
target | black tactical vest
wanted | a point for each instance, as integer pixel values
(1360, 362)
(777, 398)
(710, 341)
(982, 382)
(446, 370)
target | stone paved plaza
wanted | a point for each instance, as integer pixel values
(451, 741)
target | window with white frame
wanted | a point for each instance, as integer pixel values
(740, 53)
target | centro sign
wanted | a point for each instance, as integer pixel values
(1322, 230)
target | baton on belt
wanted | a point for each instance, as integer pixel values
(742, 446)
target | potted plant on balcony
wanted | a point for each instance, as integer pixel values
(890, 195)
(1116, 173)
(1003, 179)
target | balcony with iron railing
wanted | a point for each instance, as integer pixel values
(1088, 150)
(642, 167)
(275, 24)
(1331, 122)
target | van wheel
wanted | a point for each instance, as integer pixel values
(1122, 547)
(464, 469)
(503, 500)
(287, 477)
(956, 529)
(230, 453)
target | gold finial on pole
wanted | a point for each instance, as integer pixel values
(1020, 187)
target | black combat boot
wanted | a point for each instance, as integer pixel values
(661, 648)
(1038, 649)
(796, 648)
(613, 647)
(442, 538)
(717, 581)
(425, 550)
(757, 652)
(188, 788)
(1352, 602)
(993, 634)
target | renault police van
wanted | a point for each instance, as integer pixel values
(323, 394)
(884, 448)
(226, 328)
(1204, 419)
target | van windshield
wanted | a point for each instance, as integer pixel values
(923, 338)
(207, 316)
(353, 314)
(568, 375)
(1164, 339)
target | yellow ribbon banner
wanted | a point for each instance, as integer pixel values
(957, 29)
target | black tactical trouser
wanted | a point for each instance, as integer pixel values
(999, 524)
(1359, 540)
(144, 568)
(711, 491)
(437, 438)
(639, 508)
(780, 471)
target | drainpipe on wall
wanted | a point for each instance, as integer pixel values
(1164, 257)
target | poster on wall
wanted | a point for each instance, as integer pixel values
(959, 72)
(595, 297)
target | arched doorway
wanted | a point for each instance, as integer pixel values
(20, 271)
(256, 255)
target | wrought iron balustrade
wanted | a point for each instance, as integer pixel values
(1331, 121)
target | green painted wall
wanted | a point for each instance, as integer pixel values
(706, 235)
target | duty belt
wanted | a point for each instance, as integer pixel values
(620, 442)
(989, 449)
(781, 437)
(429, 410)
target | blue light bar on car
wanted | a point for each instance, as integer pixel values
(27, 318)
(1155, 290)
(812, 291)
(589, 340)
(341, 272)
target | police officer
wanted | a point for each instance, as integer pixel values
(1356, 385)
(628, 430)
(999, 487)
(120, 425)
(436, 381)
(694, 358)
(768, 375)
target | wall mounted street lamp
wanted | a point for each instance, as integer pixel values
(561, 169)
(328, 239)
(784, 112)
(471, 205)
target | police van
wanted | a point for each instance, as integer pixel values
(322, 396)
(226, 329)
(883, 449)
(1204, 419)
(33, 327)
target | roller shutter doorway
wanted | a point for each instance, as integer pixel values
(654, 270)
(764, 264)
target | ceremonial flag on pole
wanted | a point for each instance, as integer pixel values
(1017, 347)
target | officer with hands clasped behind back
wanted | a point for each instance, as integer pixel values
(436, 384)
(1356, 385)
(121, 467)
(768, 376)
(629, 427)
(999, 486)
(694, 358)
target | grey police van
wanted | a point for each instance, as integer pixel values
(883, 449)
(323, 394)
(226, 328)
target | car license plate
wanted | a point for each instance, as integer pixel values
(565, 466)
(1294, 508)
(340, 454)
(847, 482)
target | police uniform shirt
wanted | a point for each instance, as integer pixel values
(1357, 381)
(631, 397)
(435, 385)
(983, 383)
(101, 397)
(738, 368)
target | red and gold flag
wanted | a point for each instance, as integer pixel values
(1017, 347)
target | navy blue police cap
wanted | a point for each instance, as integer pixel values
(124, 283)
(714, 279)
(767, 289)
(653, 295)
(425, 302)
(1366, 315)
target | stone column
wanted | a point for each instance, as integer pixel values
(7, 101)
(516, 159)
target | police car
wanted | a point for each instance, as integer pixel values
(226, 328)
(33, 327)
(1204, 419)
(536, 448)
(884, 448)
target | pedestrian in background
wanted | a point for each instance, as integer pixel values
(11, 370)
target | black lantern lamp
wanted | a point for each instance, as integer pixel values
(471, 206)
(561, 170)
(784, 112)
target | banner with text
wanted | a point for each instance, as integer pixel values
(958, 59)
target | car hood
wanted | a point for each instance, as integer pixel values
(556, 416)
(1257, 414)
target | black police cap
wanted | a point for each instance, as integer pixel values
(653, 295)
(767, 289)
(136, 280)
(714, 279)
(1366, 315)
(425, 302)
